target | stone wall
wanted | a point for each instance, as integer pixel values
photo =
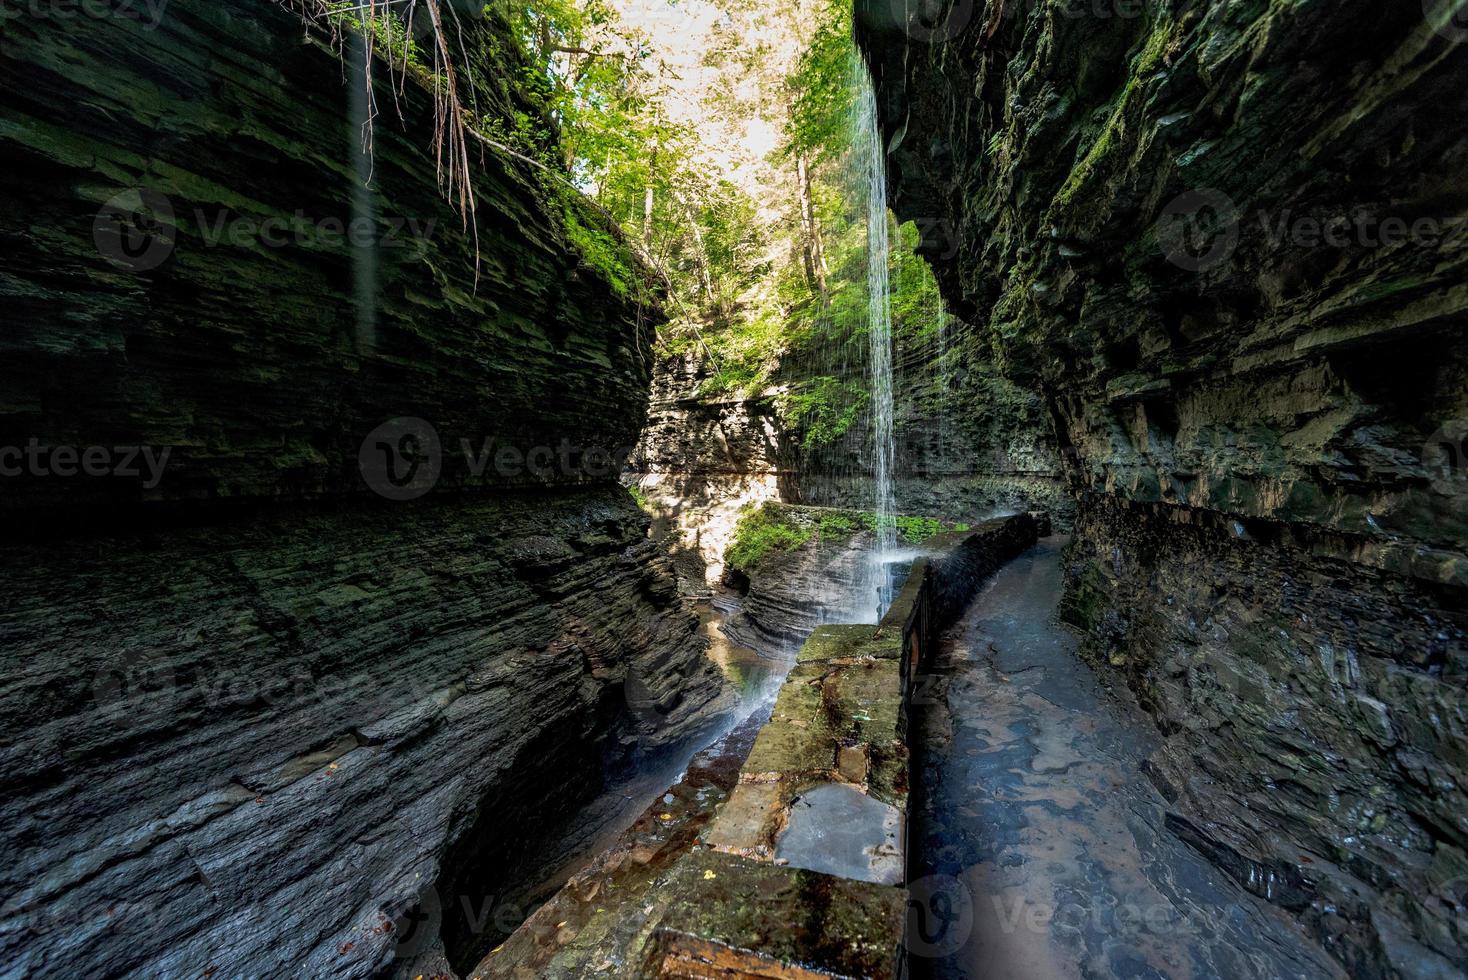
(801, 869)
(257, 716)
(702, 459)
(1224, 241)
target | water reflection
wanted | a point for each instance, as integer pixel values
(756, 677)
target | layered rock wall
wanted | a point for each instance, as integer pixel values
(969, 443)
(1225, 241)
(193, 263)
(704, 459)
(278, 703)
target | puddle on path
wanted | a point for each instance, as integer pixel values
(1042, 850)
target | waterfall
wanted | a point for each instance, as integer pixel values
(940, 376)
(872, 170)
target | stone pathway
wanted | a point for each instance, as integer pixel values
(1042, 846)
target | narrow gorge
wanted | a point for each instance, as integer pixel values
(722, 489)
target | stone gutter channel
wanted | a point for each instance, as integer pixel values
(783, 851)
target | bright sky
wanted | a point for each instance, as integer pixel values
(733, 144)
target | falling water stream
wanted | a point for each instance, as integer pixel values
(872, 170)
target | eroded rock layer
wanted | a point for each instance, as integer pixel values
(702, 459)
(250, 748)
(258, 720)
(1225, 241)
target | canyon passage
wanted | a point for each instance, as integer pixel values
(718, 488)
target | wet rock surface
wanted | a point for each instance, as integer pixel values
(1168, 218)
(1043, 849)
(249, 750)
(1343, 688)
(578, 931)
(256, 719)
(791, 594)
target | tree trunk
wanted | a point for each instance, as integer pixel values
(704, 277)
(647, 218)
(815, 251)
(647, 195)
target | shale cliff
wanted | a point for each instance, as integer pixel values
(702, 460)
(969, 442)
(322, 592)
(1225, 241)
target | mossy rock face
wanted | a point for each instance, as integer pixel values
(1252, 418)
(771, 529)
(247, 330)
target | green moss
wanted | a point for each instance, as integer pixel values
(774, 528)
(836, 525)
(598, 248)
(1112, 133)
(823, 409)
(761, 532)
(1087, 598)
(913, 530)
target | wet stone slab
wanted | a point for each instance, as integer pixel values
(763, 919)
(839, 830)
(837, 723)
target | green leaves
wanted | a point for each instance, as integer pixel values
(823, 88)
